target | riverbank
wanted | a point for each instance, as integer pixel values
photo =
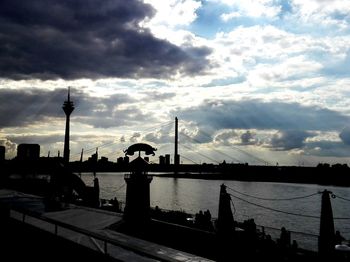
(322, 174)
(277, 175)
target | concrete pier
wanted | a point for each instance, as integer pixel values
(85, 228)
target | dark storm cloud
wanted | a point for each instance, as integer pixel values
(256, 114)
(247, 138)
(162, 135)
(87, 39)
(328, 149)
(289, 139)
(159, 138)
(135, 137)
(225, 136)
(21, 108)
(37, 139)
(345, 135)
(115, 118)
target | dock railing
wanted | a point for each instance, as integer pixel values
(56, 227)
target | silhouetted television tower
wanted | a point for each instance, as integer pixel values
(68, 108)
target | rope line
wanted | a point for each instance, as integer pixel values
(285, 212)
(123, 185)
(233, 205)
(273, 199)
(272, 209)
(292, 231)
(343, 198)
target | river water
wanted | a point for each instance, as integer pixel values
(192, 195)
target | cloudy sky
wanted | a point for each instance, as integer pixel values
(257, 81)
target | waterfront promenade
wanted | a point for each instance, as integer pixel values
(84, 228)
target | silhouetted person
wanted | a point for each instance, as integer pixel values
(294, 246)
(268, 247)
(199, 219)
(250, 230)
(270, 244)
(115, 204)
(208, 225)
(207, 214)
(338, 238)
(284, 238)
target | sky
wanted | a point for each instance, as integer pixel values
(258, 81)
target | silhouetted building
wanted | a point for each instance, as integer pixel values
(103, 159)
(2, 153)
(28, 151)
(167, 159)
(120, 160)
(93, 158)
(161, 160)
(68, 108)
(146, 159)
(126, 160)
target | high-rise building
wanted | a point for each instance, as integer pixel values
(2, 153)
(167, 159)
(161, 160)
(28, 151)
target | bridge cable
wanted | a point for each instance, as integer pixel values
(182, 156)
(114, 142)
(343, 198)
(272, 209)
(146, 130)
(240, 150)
(216, 150)
(203, 155)
(123, 185)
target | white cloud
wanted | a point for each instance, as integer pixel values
(228, 16)
(323, 12)
(292, 68)
(172, 13)
(270, 63)
(253, 8)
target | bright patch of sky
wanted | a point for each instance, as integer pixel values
(276, 58)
